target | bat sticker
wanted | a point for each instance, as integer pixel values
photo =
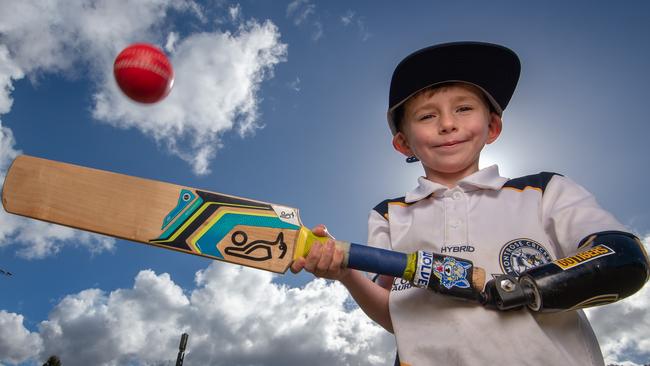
(244, 250)
(185, 198)
(452, 272)
(201, 220)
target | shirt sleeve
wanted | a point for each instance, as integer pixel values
(570, 213)
(378, 231)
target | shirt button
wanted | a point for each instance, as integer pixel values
(454, 223)
(457, 195)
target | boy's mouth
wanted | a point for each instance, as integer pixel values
(450, 143)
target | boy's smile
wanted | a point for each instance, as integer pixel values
(446, 128)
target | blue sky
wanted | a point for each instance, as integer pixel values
(285, 102)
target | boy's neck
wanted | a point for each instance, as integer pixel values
(450, 180)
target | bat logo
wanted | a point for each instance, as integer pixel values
(258, 250)
(201, 222)
(287, 215)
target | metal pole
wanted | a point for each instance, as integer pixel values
(181, 349)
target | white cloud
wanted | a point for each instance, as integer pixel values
(17, 343)
(37, 239)
(234, 12)
(95, 328)
(9, 71)
(7, 149)
(347, 18)
(350, 18)
(623, 328)
(218, 74)
(217, 79)
(170, 44)
(302, 12)
(234, 316)
(295, 84)
(52, 36)
(318, 31)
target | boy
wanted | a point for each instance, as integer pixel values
(445, 104)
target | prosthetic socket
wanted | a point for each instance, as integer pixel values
(610, 266)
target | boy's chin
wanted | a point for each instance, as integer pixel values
(452, 169)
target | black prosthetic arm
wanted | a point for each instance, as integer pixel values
(611, 266)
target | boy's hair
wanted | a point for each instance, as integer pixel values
(398, 114)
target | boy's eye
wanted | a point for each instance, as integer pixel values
(425, 116)
(464, 109)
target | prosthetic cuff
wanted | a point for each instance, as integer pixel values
(610, 266)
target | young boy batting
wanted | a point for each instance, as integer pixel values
(546, 244)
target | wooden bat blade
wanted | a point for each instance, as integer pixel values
(218, 226)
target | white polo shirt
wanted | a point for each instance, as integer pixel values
(502, 225)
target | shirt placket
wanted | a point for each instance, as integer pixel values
(455, 201)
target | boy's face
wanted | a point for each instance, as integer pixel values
(446, 129)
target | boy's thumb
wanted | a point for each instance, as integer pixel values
(321, 230)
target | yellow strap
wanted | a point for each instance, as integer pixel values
(306, 238)
(409, 271)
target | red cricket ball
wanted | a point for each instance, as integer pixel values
(143, 73)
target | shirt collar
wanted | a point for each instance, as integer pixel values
(486, 178)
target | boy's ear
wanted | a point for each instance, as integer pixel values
(494, 127)
(400, 143)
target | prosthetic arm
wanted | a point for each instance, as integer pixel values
(610, 266)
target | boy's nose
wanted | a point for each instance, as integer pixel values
(447, 124)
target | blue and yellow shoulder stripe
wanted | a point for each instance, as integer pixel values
(534, 181)
(382, 208)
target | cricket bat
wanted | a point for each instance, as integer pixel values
(218, 226)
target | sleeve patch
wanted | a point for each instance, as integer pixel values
(534, 181)
(382, 208)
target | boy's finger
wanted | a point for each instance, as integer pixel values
(297, 265)
(326, 257)
(313, 257)
(320, 230)
(337, 259)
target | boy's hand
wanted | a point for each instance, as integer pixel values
(323, 260)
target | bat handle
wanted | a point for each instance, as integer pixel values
(444, 274)
(447, 275)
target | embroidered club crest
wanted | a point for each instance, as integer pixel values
(519, 255)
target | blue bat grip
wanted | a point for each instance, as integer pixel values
(375, 260)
